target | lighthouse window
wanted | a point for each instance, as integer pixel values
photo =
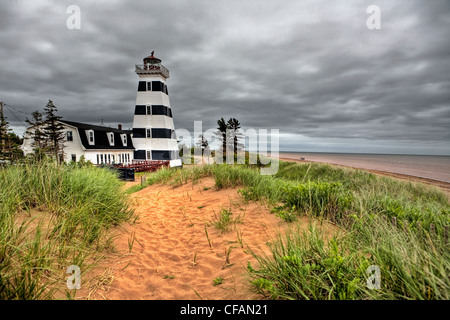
(159, 110)
(149, 155)
(139, 109)
(149, 133)
(138, 132)
(149, 86)
(142, 86)
(165, 90)
(161, 133)
(157, 86)
(149, 109)
(160, 155)
(139, 154)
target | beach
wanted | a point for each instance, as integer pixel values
(174, 251)
(433, 170)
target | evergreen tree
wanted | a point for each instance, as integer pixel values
(222, 135)
(234, 126)
(14, 146)
(54, 132)
(9, 142)
(229, 134)
(203, 143)
(4, 138)
(39, 143)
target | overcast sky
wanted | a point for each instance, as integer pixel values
(312, 69)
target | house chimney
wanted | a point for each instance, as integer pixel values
(119, 127)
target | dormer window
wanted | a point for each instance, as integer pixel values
(90, 136)
(111, 138)
(124, 139)
(69, 135)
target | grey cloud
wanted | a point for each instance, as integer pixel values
(309, 68)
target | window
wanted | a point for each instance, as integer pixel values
(109, 158)
(90, 136)
(159, 110)
(101, 158)
(161, 155)
(138, 132)
(157, 86)
(128, 157)
(149, 133)
(69, 136)
(111, 138)
(74, 156)
(149, 155)
(139, 109)
(124, 139)
(139, 154)
(161, 133)
(149, 86)
(149, 109)
(98, 162)
(142, 86)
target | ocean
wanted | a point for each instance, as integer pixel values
(429, 167)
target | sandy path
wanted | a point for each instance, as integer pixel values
(170, 234)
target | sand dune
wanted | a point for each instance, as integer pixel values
(171, 257)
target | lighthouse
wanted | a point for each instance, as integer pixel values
(153, 129)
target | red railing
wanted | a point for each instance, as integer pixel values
(145, 166)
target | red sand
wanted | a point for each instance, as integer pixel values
(170, 234)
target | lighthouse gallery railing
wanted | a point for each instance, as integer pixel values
(152, 69)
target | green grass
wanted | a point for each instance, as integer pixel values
(217, 281)
(66, 211)
(413, 261)
(225, 220)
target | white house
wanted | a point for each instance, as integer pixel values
(97, 144)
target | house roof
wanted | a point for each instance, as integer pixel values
(101, 138)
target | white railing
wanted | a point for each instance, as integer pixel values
(152, 69)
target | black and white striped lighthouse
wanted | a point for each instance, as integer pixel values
(153, 129)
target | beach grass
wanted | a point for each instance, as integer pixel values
(52, 217)
(395, 225)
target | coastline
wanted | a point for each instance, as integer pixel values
(444, 186)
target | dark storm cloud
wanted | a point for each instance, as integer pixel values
(312, 69)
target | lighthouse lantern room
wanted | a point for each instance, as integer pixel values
(153, 128)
